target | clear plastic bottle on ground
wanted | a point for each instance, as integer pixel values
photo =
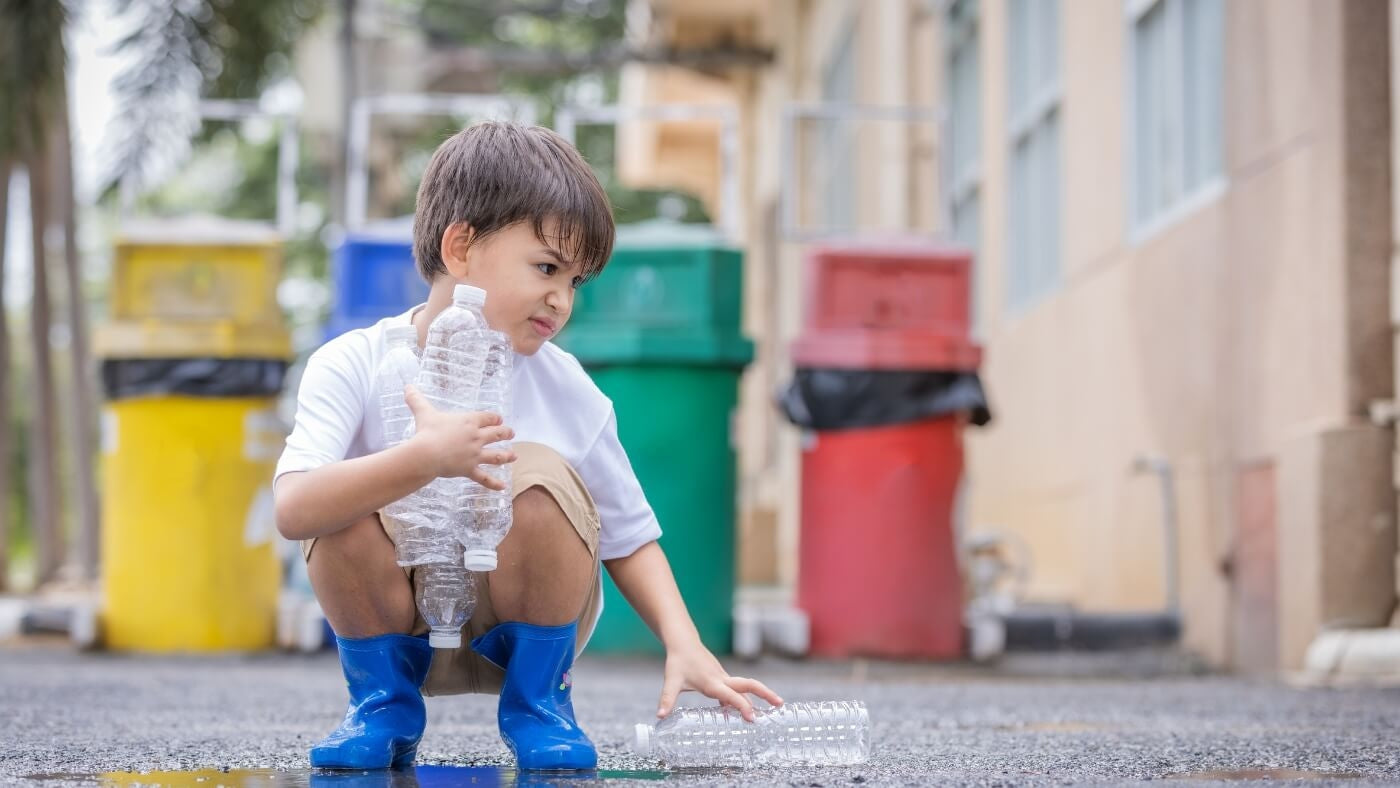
(449, 377)
(831, 733)
(490, 510)
(446, 596)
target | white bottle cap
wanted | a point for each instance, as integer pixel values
(466, 294)
(480, 560)
(401, 334)
(641, 739)
(444, 640)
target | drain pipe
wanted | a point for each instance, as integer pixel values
(1170, 535)
(1038, 627)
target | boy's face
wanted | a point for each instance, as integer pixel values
(529, 289)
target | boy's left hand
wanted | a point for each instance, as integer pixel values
(693, 667)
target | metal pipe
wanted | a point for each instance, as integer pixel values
(838, 112)
(366, 107)
(730, 219)
(1170, 536)
(232, 111)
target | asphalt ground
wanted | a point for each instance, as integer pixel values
(68, 717)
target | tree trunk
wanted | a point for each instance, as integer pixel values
(81, 402)
(48, 538)
(350, 82)
(5, 379)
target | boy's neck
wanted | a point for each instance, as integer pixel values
(439, 298)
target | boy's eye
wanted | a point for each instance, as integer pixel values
(547, 269)
(577, 283)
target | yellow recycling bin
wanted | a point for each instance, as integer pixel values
(189, 558)
(190, 436)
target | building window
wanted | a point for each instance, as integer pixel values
(838, 137)
(1033, 261)
(1175, 96)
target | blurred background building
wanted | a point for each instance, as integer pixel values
(1181, 211)
(1182, 215)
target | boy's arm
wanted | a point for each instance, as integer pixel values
(645, 579)
(327, 499)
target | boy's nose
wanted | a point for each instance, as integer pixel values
(561, 301)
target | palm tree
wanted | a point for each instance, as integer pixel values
(222, 49)
(31, 75)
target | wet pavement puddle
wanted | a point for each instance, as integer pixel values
(415, 777)
(1230, 775)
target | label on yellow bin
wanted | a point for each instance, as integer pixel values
(188, 549)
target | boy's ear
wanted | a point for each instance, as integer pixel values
(456, 243)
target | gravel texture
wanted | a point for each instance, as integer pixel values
(1057, 720)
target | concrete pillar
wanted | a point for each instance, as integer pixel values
(1336, 535)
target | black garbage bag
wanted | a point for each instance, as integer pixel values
(833, 399)
(193, 377)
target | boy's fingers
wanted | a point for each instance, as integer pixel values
(486, 480)
(497, 457)
(669, 692)
(496, 434)
(724, 694)
(486, 418)
(754, 687)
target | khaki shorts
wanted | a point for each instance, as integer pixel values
(461, 670)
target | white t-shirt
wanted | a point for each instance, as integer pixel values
(553, 402)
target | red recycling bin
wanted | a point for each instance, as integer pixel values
(878, 573)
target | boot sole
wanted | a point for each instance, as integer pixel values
(401, 760)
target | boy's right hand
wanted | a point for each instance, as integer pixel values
(454, 444)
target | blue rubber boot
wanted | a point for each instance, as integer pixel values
(386, 716)
(536, 711)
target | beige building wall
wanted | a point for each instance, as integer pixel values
(1244, 335)
(1243, 341)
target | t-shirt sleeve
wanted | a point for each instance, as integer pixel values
(330, 410)
(627, 520)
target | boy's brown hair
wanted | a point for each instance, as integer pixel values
(495, 174)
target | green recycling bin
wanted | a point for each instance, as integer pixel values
(659, 333)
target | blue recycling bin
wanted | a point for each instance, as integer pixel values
(375, 277)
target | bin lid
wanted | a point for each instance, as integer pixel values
(669, 234)
(197, 230)
(892, 350)
(154, 338)
(671, 293)
(618, 346)
(887, 304)
(398, 229)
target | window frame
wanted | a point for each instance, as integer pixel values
(1187, 200)
(1039, 117)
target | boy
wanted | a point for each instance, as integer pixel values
(516, 211)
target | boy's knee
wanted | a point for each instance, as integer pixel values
(538, 519)
(361, 538)
(536, 508)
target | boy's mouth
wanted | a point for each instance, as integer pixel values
(544, 328)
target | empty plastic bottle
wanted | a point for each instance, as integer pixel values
(490, 510)
(398, 368)
(426, 524)
(434, 519)
(446, 596)
(831, 733)
(455, 353)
